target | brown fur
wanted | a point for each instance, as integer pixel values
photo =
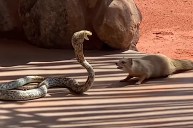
(152, 66)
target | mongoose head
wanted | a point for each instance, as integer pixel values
(124, 64)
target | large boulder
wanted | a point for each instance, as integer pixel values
(51, 23)
(10, 25)
(118, 24)
(9, 15)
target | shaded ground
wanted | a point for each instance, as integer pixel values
(108, 104)
(159, 103)
(167, 27)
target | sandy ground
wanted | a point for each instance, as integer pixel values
(158, 103)
(167, 27)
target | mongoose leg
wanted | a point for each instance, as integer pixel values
(141, 79)
(126, 79)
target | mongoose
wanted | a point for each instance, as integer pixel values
(152, 66)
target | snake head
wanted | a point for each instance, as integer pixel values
(86, 34)
(83, 34)
(79, 37)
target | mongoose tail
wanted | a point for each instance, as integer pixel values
(182, 65)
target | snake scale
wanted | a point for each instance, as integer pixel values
(10, 90)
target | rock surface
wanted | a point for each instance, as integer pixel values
(51, 23)
(8, 15)
(10, 25)
(118, 24)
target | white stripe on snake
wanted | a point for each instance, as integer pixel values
(9, 90)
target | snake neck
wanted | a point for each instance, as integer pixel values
(91, 74)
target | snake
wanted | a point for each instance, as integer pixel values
(11, 90)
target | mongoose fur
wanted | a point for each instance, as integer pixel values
(152, 66)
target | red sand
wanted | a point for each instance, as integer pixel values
(167, 27)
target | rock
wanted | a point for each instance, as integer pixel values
(51, 23)
(6, 21)
(118, 24)
(10, 26)
(7, 15)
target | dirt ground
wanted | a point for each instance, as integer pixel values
(167, 27)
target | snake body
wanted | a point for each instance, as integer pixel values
(9, 90)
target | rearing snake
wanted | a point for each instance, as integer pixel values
(9, 91)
